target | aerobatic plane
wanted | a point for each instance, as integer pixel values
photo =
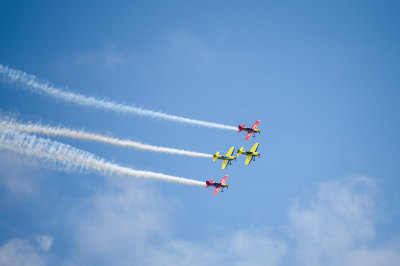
(226, 158)
(218, 186)
(250, 154)
(250, 130)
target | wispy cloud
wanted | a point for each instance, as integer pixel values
(245, 247)
(45, 242)
(340, 225)
(115, 225)
(124, 222)
(26, 252)
(18, 179)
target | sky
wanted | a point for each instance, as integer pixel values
(321, 76)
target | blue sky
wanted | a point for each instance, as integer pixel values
(322, 78)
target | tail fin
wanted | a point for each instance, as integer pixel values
(239, 151)
(215, 156)
(208, 183)
(240, 127)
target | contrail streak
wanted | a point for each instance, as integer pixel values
(75, 134)
(32, 83)
(66, 157)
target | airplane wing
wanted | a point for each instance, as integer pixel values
(255, 147)
(229, 153)
(248, 159)
(224, 179)
(248, 135)
(224, 164)
(217, 189)
(256, 124)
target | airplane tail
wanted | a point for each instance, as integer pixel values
(240, 151)
(208, 183)
(240, 127)
(215, 156)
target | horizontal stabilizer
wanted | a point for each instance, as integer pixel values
(215, 156)
(240, 151)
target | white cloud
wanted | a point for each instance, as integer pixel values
(44, 242)
(240, 248)
(388, 256)
(118, 222)
(16, 174)
(128, 223)
(23, 252)
(338, 227)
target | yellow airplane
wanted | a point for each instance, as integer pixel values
(250, 154)
(227, 158)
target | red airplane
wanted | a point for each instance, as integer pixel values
(250, 130)
(219, 185)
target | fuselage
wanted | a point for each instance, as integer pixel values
(218, 185)
(251, 153)
(223, 157)
(254, 130)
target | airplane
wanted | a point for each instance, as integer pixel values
(218, 186)
(250, 130)
(227, 158)
(250, 154)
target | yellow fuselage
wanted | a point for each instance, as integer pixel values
(223, 157)
(251, 153)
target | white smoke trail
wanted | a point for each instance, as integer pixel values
(32, 83)
(68, 158)
(75, 134)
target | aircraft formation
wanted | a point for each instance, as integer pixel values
(228, 158)
(21, 137)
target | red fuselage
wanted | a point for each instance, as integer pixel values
(211, 184)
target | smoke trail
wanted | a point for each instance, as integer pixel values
(69, 133)
(32, 83)
(68, 158)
